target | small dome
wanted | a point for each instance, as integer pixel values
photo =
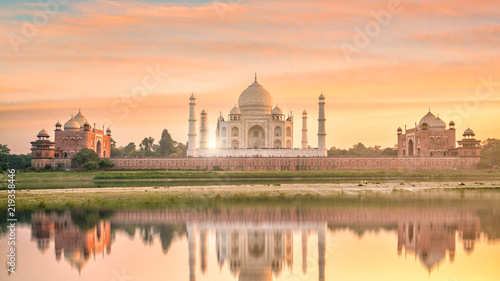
(72, 125)
(235, 111)
(321, 97)
(469, 132)
(255, 100)
(428, 118)
(438, 123)
(58, 124)
(452, 123)
(108, 130)
(277, 111)
(80, 118)
(203, 112)
(399, 129)
(43, 133)
(304, 112)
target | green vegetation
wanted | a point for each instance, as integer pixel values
(14, 161)
(147, 148)
(260, 176)
(490, 154)
(361, 150)
(91, 165)
(141, 198)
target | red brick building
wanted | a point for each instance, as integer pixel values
(431, 138)
(76, 134)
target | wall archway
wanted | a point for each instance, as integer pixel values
(277, 144)
(288, 144)
(235, 132)
(99, 148)
(277, 131)
(288, 131)
(256, 137)
(410, 148)
(235, 144)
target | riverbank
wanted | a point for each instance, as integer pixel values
(350, 194)
(254, 175)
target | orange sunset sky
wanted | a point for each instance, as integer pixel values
(376, 75)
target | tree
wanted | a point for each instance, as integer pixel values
(130, 149)
(105, 163)
(490, 153)
(112, 143)
(83, 156)
(147, 144)
(167, 144)
(91, 165)
(4, 156)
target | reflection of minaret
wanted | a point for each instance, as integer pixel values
(304, 251)
(192, 247)
(192, 128)
(203, 130)
(321, 252)
(203, 250)
(304, 129)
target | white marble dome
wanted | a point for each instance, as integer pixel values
(255, 100)
(235, 111)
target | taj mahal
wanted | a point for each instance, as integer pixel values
(254, 128)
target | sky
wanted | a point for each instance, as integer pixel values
(132, 65)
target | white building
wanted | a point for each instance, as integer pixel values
(254, 128)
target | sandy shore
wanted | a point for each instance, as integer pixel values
(319, 189)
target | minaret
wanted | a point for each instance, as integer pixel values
(321, 125)
(191, 152)
(304, 129)
(203, 131)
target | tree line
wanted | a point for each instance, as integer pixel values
(361, 150)
(166, 147)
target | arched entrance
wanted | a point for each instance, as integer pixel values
(235, 144)
(256, 137)
(99, 148)
(410, 147)
(277, 144)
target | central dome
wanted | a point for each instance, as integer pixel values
(255, 100)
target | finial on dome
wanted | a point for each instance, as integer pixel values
(255, 76)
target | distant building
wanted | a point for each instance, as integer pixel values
(431, 138)
(255, 128)
(77, 135)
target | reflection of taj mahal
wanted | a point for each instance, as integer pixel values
(255, 128)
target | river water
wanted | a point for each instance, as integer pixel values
(437, 241)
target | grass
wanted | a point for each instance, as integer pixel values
(162, 197)
(336, 174)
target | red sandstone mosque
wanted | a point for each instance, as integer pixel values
(431, 138)
(76, 134)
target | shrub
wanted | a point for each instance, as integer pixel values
(83, 156)
(105, 163)
(91, 165)
(48, 166)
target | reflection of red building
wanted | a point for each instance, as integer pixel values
(77, 245)
(430, 238)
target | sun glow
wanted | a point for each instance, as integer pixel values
(212, 144)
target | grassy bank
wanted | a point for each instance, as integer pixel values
(338, 174)
(289, 195)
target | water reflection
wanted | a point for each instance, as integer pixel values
(257, 244)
